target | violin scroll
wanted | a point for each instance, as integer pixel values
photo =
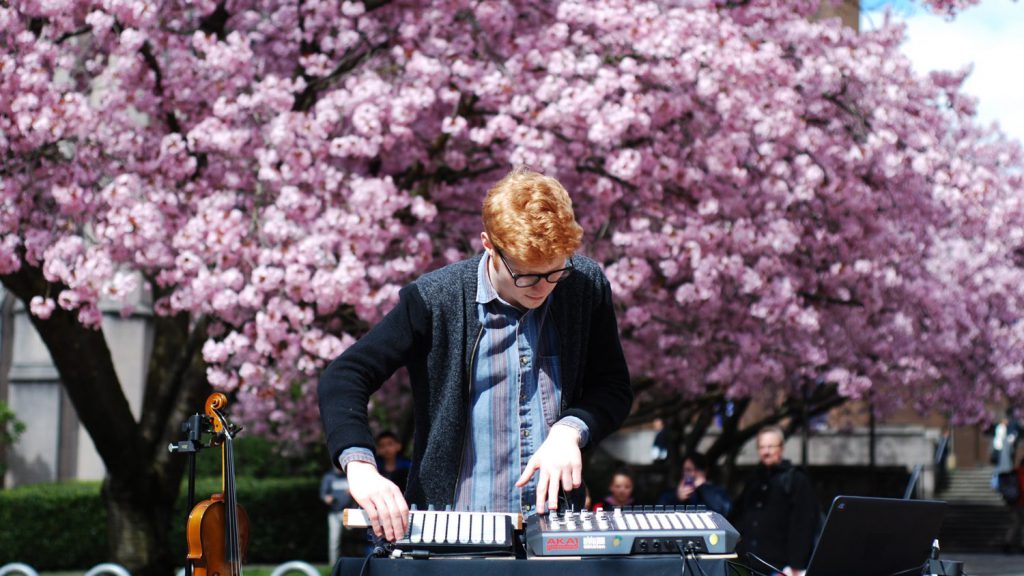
(215, 402)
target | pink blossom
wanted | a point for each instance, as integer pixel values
(772, 197)
(42, 307)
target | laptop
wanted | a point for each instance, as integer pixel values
(866, 536)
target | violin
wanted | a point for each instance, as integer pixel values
(218, 527)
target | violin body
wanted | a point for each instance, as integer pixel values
(208, 548)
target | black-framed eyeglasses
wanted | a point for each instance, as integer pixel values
(527, 280)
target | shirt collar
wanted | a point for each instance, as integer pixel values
(485, 293)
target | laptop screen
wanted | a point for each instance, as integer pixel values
(866, 536)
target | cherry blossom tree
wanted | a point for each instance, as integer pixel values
(784, 207)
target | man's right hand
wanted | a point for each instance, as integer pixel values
(684, 491)
(381, 499)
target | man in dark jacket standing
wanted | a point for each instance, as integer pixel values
(777, 514)
(515, 364)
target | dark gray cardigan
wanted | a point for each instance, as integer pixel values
(433, 331)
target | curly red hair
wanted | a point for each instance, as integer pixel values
(529, 217)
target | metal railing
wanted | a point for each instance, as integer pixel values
(22, 569)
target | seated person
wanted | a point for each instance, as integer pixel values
(620, 491)
(695, 490)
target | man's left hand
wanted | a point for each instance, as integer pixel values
(559, 463)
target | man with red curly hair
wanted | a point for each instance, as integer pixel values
(515, 364)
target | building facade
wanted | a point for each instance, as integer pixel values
(54, 445)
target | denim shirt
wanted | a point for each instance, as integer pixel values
(513, 403)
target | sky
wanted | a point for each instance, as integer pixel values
(989, 35)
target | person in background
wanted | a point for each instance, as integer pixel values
(620, 491)
(1013, 542)
(334, 493)
(659, 447)
(777, 513)
(695, 490)
(390, 462)
(942, 460)
(1004, 445)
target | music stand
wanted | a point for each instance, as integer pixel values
(865, 536)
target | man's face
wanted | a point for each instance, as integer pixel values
(769, 448)
(502, 267)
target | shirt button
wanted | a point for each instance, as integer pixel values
(524, 360)
(524, 433)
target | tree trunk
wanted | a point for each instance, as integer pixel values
(143, 478)
(138, 530)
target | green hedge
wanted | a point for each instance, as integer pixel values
(63, 526)
(51, 526)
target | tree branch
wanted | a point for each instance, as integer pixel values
(176, 380)
(351, 60)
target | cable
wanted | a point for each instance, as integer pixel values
(693, 554)
(682, 554)
(381, 547)
(747, 570)
(910, 570)
(763, 561)
(366, 562)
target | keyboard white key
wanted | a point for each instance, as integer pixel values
(642, 522)
(441, 528)
(453, 528)
(464, 525)
(488, 529)
(476, 528)
(416, 529)
(500, 534)
(685, 519)
(428, 527)
(631, 522)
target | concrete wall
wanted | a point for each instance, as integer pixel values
(54, 445)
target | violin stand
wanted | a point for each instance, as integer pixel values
(193, 429)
